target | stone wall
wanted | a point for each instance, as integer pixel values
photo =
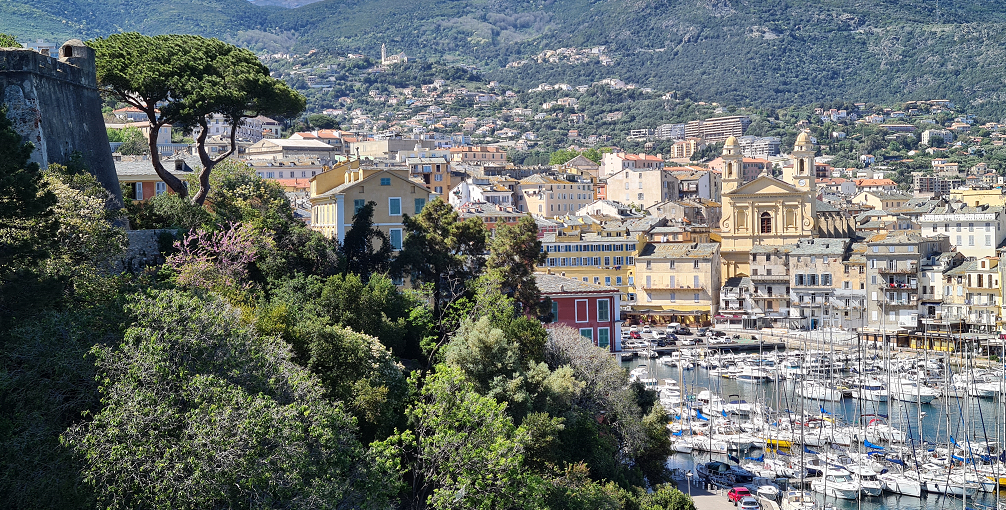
(144, 250)
(55, 104)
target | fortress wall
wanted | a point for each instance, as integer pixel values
(55, 105)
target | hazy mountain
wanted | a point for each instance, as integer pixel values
(764, 51)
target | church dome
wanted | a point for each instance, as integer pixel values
(803, 139)
(731, 142)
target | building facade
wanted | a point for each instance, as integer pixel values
(591, 309)
(766, 211)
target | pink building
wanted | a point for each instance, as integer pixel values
(591, 309)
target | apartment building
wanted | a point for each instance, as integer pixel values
(337, 195)
(613, 163)
(892, 271)
(434, 172)
(813, 264)
(718, 129)
(643, 187)
(973, 231)
(605, 257)
(686, 148)
(973, 295)
(849, 299)
(679, 282)
(770, 281)
(548, 196)
(479, 155)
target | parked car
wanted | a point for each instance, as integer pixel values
(633, 328)
(702, 331)
(661, 343)
(688, 341)
(633, 334)
(646, 329)
(671, 337)
(659, 333)
(683, 330)
(748, 503)
(738, 493)
(718, 333)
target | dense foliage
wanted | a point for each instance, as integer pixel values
(252, 366)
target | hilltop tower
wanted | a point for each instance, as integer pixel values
(384, 54)
(54, 104)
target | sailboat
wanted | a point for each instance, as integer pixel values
(836, 483)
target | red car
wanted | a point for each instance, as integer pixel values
(635, 335)
(738, 493)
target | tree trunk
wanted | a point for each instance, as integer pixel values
(208, 162)
(173, 182)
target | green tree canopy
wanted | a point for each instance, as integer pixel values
(442, 250)
(28, 225)
(561, 156)
(513, 254)
(366, 249)
(200, 411)
(184, 79)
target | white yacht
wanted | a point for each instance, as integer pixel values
(836, 483)
(912, 391)
(869, 484)
(872, 390)
(753, 375)
(816, 390)
(939, 480)
(907, 483)
(799, 500)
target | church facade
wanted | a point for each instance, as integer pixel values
(766, 211)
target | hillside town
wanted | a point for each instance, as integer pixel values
(752, 236)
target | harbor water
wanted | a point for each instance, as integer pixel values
(966, 419)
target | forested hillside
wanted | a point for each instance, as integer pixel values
(768, 52)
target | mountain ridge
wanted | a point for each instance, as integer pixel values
(772, 52)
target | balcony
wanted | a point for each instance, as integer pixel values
(928, 296)
(667, 286)
(811, 286)
(910, 270)
(911, 287)
(769, 278)
(912, 301)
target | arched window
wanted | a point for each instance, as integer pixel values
(766, 223)
(800, 167)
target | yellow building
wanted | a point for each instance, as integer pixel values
(766, 210)
(601, 257)
(975, 197)
(678, 282)
(336, 196)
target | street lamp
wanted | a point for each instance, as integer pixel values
(689, 476)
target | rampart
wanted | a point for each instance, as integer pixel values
(55, 104)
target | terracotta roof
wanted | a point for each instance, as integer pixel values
(875, 182)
